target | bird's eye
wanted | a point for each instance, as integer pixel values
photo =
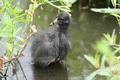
(60, 19)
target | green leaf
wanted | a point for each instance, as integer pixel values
(93, 60)
(17, 8)
(21, 39)
(104, 48)
(116, 51)
(106, 10)
(8, 48)
(68, 1)
(5, 34)
(105, 71)
(66, 9)
(101, 71)
(115, 78)
(1, 10)
(111, 39)
(114, 3)
(16, 30)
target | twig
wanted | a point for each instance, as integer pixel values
(1, 73)
(17, 76)
(3, 76)
(21, 68)
(20, 53)
(14, 70)
(6, 71)
(12, 59)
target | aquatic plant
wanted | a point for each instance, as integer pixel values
(115, 11)
(107, 60)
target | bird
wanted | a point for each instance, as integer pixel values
(51, 45)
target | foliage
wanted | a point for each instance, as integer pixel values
(113, 11)
(63, 6)
(13, 35)
(106, 10)
(11, 32)
(95, 61)
(115, 3)
(12, 15)
(108, 61)
(108, 50)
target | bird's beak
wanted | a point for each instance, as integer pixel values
(69, 14)
(54, 21)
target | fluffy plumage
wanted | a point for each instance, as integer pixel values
(52, 45)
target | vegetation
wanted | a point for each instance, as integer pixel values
(16, 28)
(107, 59)
(14, 37)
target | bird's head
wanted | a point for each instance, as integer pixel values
(63, 20)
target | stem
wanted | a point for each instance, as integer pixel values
(6, 71)
(18, 16)
(17, 76)
(21, 68)
(19, 53)
(3, 75)
(58, 7)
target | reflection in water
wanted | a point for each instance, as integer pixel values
(43, 16)
(53, 72)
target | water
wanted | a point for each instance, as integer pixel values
(86, 28)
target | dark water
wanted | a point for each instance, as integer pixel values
(86, 28)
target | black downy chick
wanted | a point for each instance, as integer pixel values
(52, 45)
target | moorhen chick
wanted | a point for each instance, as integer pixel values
(52, 45)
